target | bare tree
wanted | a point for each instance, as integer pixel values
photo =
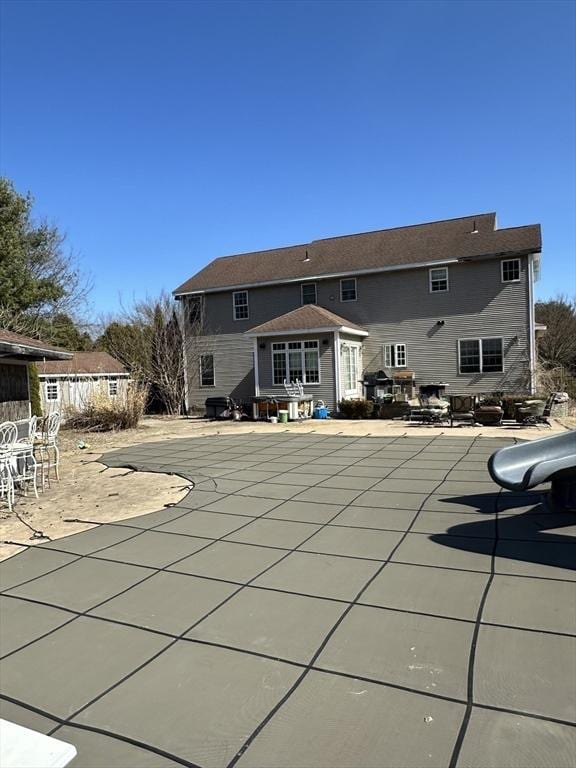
(160, 341)
(557, 345)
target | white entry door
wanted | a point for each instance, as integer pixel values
(351, 369)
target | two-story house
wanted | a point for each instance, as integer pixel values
(449, 301)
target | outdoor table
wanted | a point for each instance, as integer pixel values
(24, 748)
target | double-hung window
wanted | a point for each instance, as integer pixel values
(510, 270)
(395, 355)
(480, 355)
(240, 304)
(52, 389)
(295, 361)
(308, 293)
(207, 371)
(348, 289)
(439, 280)
(112, 386)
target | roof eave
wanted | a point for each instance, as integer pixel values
(299, 331)
(12, 349)
(369, 270)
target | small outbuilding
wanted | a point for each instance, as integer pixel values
(66, 384)
(16, 353)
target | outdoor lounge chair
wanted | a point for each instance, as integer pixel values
(462, 409)
(535, 411)
(526, 465)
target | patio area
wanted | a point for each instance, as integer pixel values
(315, 601)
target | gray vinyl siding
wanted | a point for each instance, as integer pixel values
(322, 391)
(393, 307)
(233, 369)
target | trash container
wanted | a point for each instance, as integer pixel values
(283, 417)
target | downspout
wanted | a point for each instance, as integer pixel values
(531, 324)
(337, 390)
(256, 372)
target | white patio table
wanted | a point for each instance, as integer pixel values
(24, 748)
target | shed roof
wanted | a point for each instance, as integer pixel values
(467, 237)
(83, 362)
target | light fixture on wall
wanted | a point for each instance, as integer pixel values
(262, 345)
(440, 322)
(325, 342)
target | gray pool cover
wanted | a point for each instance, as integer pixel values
(315, 602)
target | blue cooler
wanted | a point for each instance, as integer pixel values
(320, 412)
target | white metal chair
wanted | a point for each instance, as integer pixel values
(45, 441)
(294, 388)
(25, 466)
(8, 436)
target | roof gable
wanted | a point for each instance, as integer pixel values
(304, 319)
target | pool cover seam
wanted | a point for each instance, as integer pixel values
(96, 729)
(140, 531)
(473, 647)
(169, 645)
(281, 501)
(321, 648)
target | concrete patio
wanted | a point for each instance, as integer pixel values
(316, 601)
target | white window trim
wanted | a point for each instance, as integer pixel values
(234, 307)
(112, 380)
(347, 279)
(302, 350)
(302, 294)
(438, 269)
(395, 346)
(207, 386)
(476, 338)
(56, 384)
(516, 280)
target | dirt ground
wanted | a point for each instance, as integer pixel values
(88, 490)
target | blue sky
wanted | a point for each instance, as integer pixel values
(160, 135)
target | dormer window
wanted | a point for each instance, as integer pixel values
(308, 293)
(240, 305)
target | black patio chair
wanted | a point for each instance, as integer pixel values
(462, 409)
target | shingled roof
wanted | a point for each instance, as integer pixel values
(17, 345)
(464, 238)
(83, 362)
(307, 318)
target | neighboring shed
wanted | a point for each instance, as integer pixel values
(16, 352)
(72, 383)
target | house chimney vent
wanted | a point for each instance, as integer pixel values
(306, 258)
(474, 229)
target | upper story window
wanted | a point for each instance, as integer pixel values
(348, 290)
(308, 293)
(195, 307)
(112, 386)
(480, 355)
(52, 389)
(207, 378)
(296, 361)
(395, 355)
(510, 270)
(240, 304)
(439, 280)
